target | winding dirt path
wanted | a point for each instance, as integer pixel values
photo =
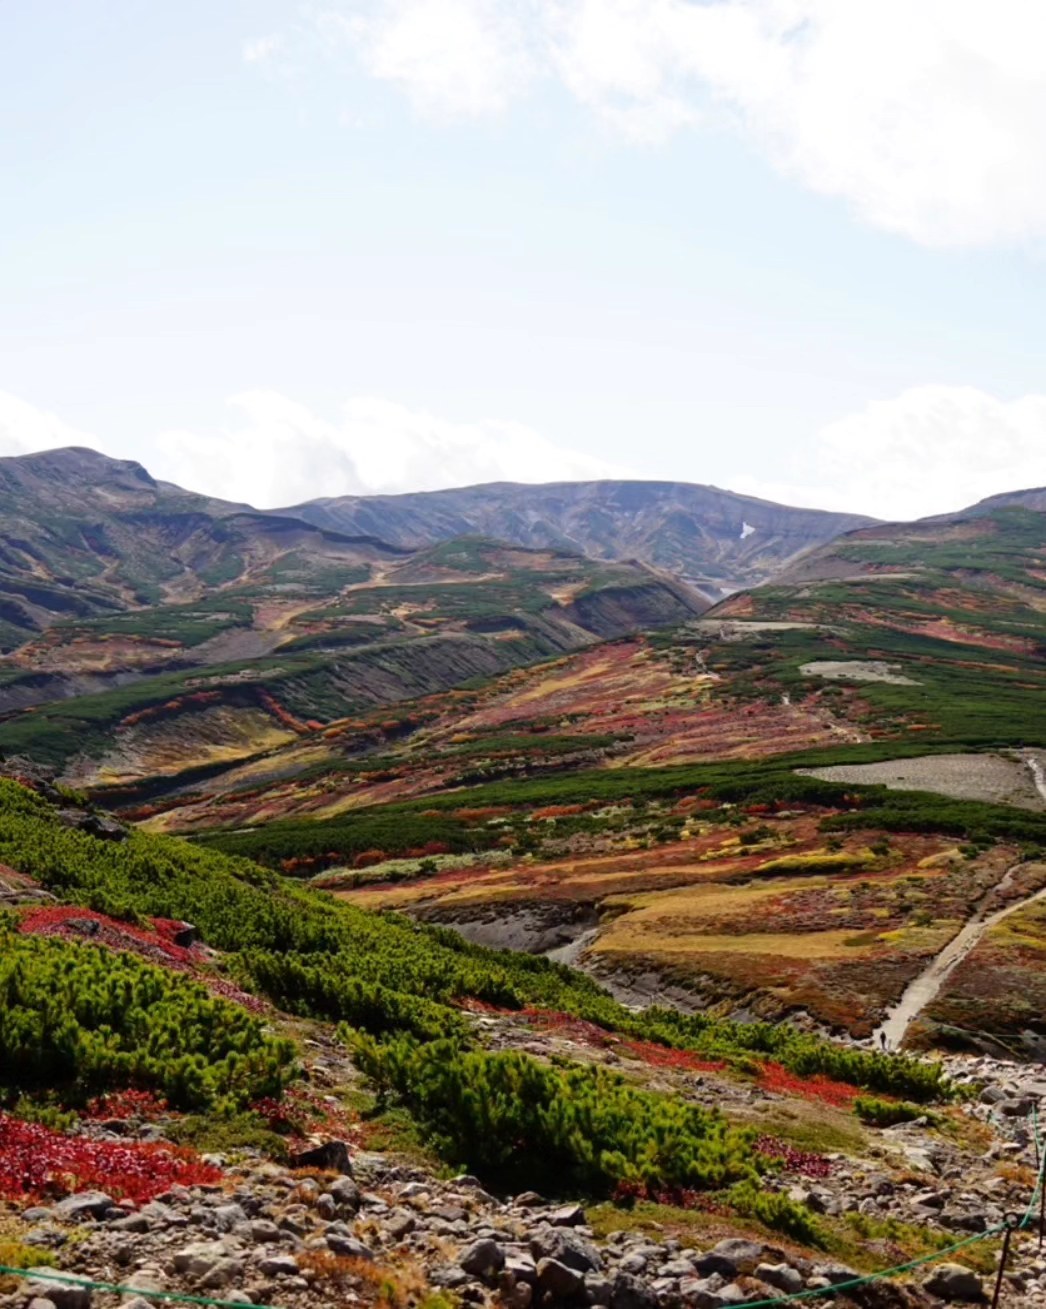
(573, 950)
(925, 988)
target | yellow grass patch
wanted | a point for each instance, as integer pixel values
(922, 940)
(623, 939)
(839, 860)
(709, 900)
(941, 859)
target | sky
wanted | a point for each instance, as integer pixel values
(276, 249)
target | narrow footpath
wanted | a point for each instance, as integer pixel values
(1038, 772)
(925, 988)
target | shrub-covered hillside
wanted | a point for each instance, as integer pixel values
(84, 1019)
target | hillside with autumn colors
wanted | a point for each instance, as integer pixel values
(727, 920)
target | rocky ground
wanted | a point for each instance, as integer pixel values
(354, 1226)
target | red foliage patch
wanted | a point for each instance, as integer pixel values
(300, 1114)
(774, 1077)
(792, 1160)
(73, 923)
(126, 1104)
(368, 858)
(37, 1163)
(283, 716)
(570, 1027)
(583, 1032)
(681, 1197)
(473, 1006)
(664, 1056)
(195, 700)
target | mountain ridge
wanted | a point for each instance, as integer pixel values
(714, 539)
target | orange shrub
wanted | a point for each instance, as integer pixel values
(367, 858)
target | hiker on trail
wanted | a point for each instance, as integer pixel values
(882, 1041)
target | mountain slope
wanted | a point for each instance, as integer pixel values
(1032, 498)
(714, 539)
(185, 632)
(83, 535)
(953, 611)
(791, 805)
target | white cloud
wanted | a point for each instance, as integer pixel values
(927, 116)
(280, 452)
(453, 58)
(930, 450)
(262, 49)
(24, 428)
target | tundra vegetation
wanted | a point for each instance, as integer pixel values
(446, 760)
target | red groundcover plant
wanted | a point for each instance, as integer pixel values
(299, 1114)
(774, 1077)
(127, 1104)
(37, 1163)
(69, 921)
(790, 1159)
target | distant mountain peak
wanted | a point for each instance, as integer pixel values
(79, 463)
(1032, 498)
(714, 539)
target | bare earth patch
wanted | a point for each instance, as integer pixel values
(962, 776)
(857, 670)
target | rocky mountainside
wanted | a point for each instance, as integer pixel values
(82, 535)
(1033, 498)
(714, 539)
(996, 547)
(212, 631)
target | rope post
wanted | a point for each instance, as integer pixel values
(1010, 1223)
(1042, 1210)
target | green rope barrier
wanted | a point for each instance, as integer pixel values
(1040, 1180)
(880, 1276)
(71, 1279)
(884, 1273)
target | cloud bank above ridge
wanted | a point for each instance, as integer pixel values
(931, 449)
(277, 452)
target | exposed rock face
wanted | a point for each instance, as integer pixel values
(713, 538)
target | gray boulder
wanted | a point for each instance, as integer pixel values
(782, 1277)
(347, 1246)
(742, 1256)
(955, 1283)
(568, 1247)
(346, 1193)
(629, 1292)
(63, 1295)
(558, 1281)
(278, 1265)
(568, 1215)
(483, 1258)
(84, 1204)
